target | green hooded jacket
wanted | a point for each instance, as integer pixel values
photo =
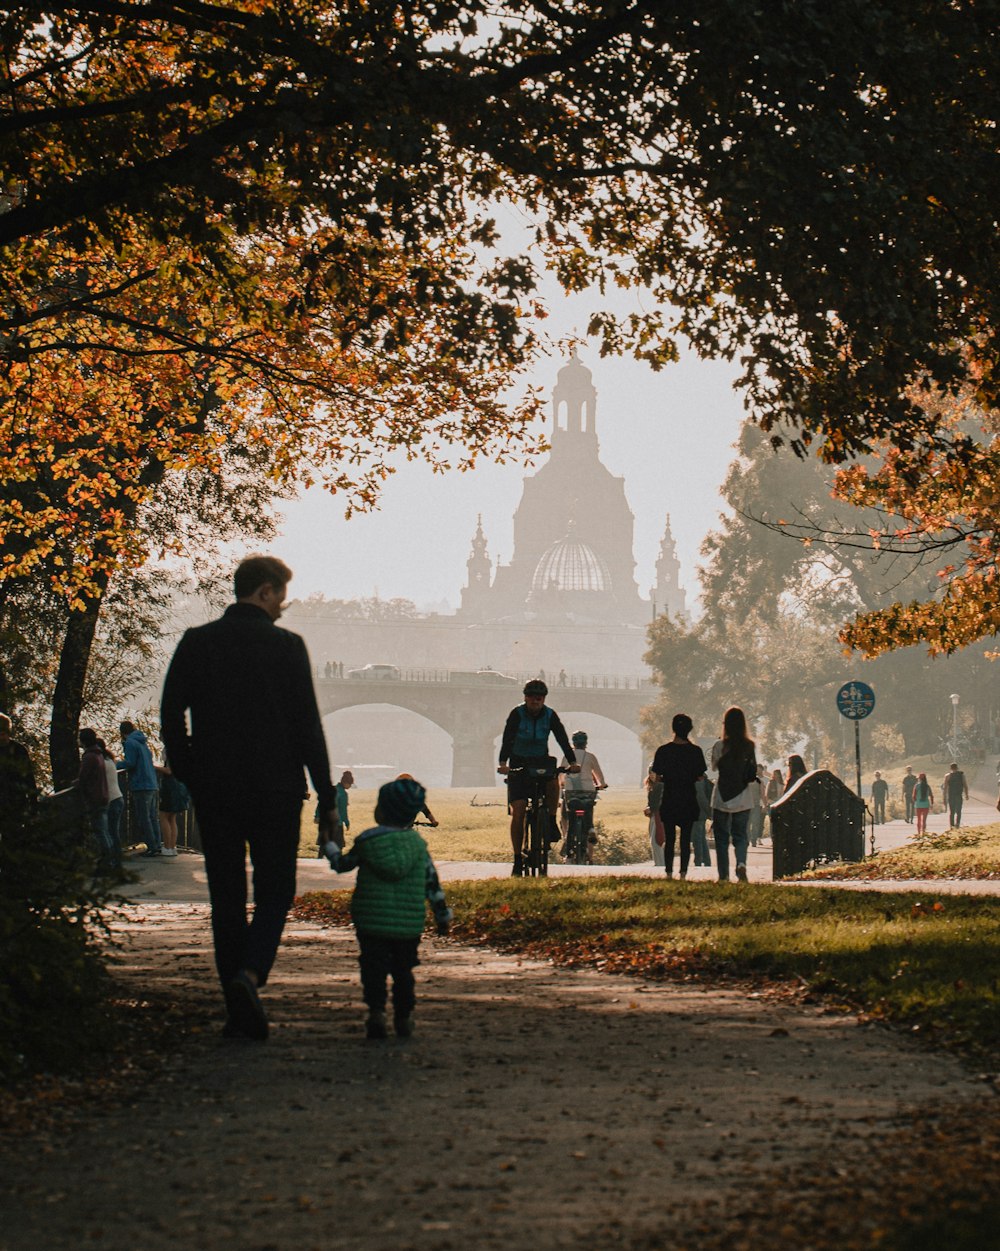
(391, 892)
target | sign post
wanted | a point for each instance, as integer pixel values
(855, 700)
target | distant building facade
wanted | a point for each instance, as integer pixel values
(568, 598)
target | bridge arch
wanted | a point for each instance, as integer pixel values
(472, 714)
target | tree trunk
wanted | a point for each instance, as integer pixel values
(67, 697)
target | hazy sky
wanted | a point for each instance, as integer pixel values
(670, 435)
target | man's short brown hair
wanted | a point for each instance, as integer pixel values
(257, 571)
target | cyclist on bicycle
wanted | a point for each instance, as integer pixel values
(526, 742)
(588, 781)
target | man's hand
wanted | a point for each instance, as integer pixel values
(574, 768)
(330, 828)
(504, 768)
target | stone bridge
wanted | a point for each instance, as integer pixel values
(472, 713)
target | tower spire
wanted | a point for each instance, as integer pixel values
(669, 595)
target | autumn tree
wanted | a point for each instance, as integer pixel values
(811, 188)
(777, 587)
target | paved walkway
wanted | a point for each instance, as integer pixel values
(184, 878)
(535, 1107)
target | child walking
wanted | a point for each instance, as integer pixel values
(395, 877)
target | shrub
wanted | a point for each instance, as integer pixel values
(54, 987)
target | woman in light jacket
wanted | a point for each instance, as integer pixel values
(735, 759)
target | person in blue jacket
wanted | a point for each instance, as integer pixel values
(143, 786)
(526, 742)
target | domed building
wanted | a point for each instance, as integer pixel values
(573, 561)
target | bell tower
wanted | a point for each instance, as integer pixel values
(475, 593)
(668, 595)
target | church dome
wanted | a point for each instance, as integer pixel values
(570, 565)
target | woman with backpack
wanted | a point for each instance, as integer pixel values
(735, 758)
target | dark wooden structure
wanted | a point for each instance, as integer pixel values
(818, 821)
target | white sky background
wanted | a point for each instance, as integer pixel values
(670, 435)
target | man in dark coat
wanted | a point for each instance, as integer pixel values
(247, 688)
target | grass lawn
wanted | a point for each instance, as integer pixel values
(474, 824)
(955, 854)
(932, 966)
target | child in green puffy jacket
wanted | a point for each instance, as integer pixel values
(396, 880)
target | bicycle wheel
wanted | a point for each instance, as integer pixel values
(528, 850)
(542, 829)
(575, 842)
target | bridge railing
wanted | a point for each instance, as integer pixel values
(569, 681)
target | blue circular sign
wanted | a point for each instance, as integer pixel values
(855, 700)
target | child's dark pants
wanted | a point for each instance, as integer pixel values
(384, 957)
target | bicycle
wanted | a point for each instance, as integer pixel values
(579, 808)
(537, 821)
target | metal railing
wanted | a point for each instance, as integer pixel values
(818, 821)
(483, 677)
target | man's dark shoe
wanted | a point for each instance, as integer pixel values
(375, 1025)
(246, 1012)
(403, 1026)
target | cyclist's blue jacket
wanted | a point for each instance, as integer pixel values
(527, 737)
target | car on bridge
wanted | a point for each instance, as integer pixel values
(375, 673)
(478, 677)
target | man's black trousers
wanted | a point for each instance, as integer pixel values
(269, 824)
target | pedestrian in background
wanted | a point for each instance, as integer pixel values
(880, 793)
(654, 796)
(796, 769)
(18, 791)
(174, 800)
(909, 782)
(955, 788)
(734, 757)
(699, 831)
(678, 765)
(923, 798)
(116, 802)
(143, 787)
(92, 785)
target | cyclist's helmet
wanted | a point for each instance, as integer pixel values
(579, 739)
(535, 687)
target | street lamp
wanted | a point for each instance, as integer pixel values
(954, 720)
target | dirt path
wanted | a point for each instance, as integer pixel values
(534, 1107)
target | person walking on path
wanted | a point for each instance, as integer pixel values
(909, 783)
(654, 796)
(955, 788)
(796, 769)
(396, 878)
(254, 728)
(734, 756)
(116, 803)
(174, 799)
(923, 798)
(678, 765)
(699, 831)
(880, 793)
(343, 786)
(92, 785)
(144, 788)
